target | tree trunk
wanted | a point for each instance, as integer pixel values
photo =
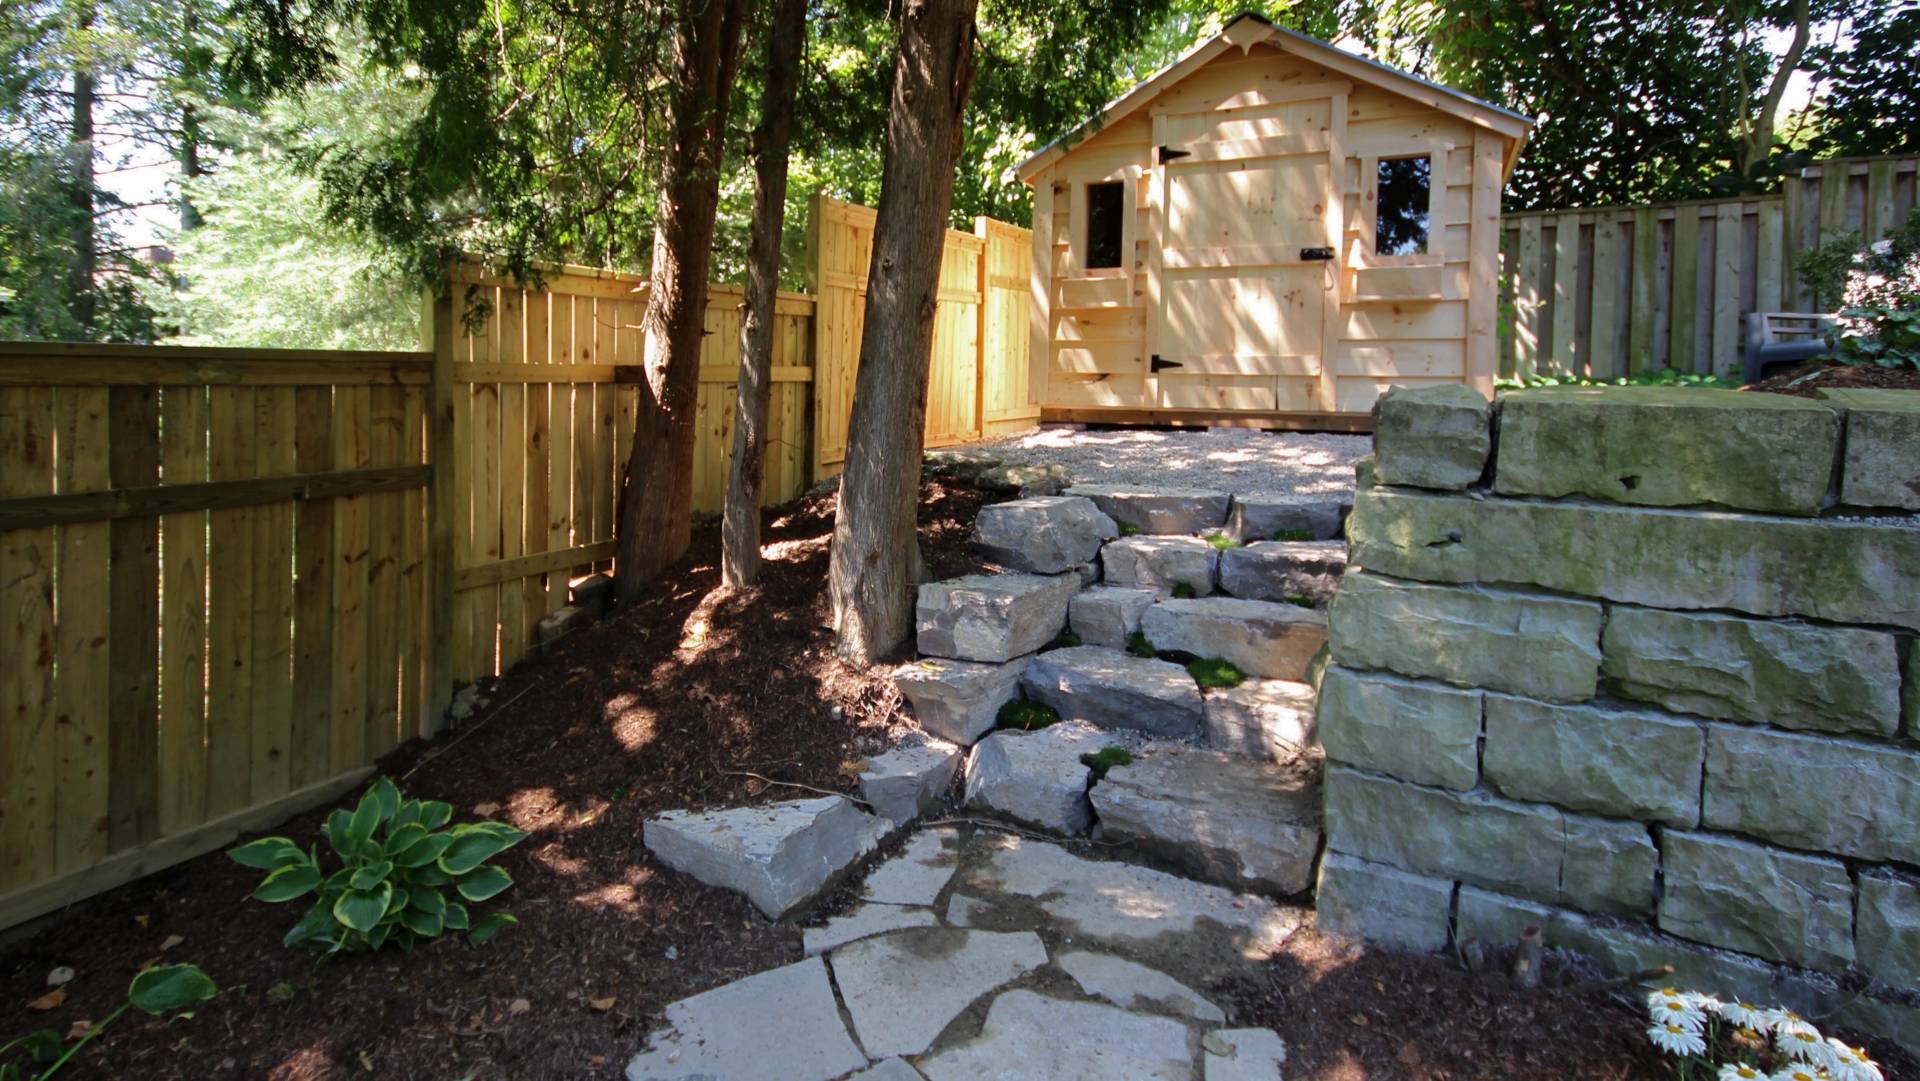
(656, 497)
(85, 260)
(1758, 145)
(740, 528)
(874, 546)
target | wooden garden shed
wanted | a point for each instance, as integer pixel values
(1270, 231)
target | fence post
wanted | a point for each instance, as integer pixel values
(982, 317)
(437, 333)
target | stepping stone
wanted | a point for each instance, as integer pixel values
(1160, 563)
(1035, 777)
(1255, 516)
(918, 874)
(1042, 534)
(781, 855)
(1026, 479)
(864, 921)
(781, 1025)
(965, 464)
(910, 780)
(1111, 689)
(1262, 718)
(1228, 819)
(992, 617)
(1030, 1036)
(1136, 987)
(1290, 571)
(1261, 638)
(1165, 510)
(1243, 1054)
(894, 1069)
(1107, 616)
(903, 989)
(958, 700)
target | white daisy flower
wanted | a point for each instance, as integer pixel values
(1677, 1012)
(1666, 994)
(1743, 1015)
(1851, 1063)
(1676, 1039)
(1702, 1001)
(1785, 1022)
(1740, 1071)
(1804, 1045)
(1800, 1071)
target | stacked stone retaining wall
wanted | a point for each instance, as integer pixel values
(1638, 667)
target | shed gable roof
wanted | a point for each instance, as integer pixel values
(1246, 30)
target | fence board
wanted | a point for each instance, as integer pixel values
(81, 698)
(28, 801)
(183, 631)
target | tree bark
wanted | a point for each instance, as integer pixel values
(656, 496)
(1758, 145)
(85, 259)
(740, 527)
(875, 551)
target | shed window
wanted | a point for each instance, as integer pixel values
(1106, 202)
(1405, 192)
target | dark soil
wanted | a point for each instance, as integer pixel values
(1808, 380)
(668, 704)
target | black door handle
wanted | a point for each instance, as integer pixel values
(1316, 253)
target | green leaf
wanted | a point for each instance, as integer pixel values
(425, 850)
(407, 815)
(398, 901)
(401, 838)
(369, 876)
(429, 901)
(484, 883)
(267, 854)
(425, 924)
(429, 875)
(170, 987)
(361, 909)
(455, 917)
(386, 796)
(288, 883)
(472, 847)
(435, 814)
(317, 922)
(481, 932)
(361, 825)
(339, 827)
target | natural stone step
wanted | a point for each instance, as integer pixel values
(903, 989)
(1161, 563)
(1111, 689)
(1262, 718)
(958, 700)
(781, 855)
(1035, 777)
(1108, 615)
(1261, 638)
(1228, 819)
(1043, 534)
(797, 1034)
(1256, 517)
(1029, 1035)
(1164, 510)
(992, 617)
(908, 781)
(1135, 986)
(1024, 479)
(1291, 571)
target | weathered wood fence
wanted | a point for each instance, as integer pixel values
(1612, 291)
(232, 579)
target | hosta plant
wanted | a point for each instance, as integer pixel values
(159, 990)
(403, 874)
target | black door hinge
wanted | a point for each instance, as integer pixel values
(1168, 154)
(1159, 365)
(1316, 253)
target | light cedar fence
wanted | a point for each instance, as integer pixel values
(1618, 290)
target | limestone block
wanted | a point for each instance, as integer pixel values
(1628, 764)
(918, 874)
(1026, 480)
(1292, 571)
(781, 855)
(796, 1034)
(1431, 437)
(1135, 986)
(1382, 904)
(1255, 516)
(1856, 799)
(1887, 928)
(1837, 570)
(1158, 510)
(1668, 447)
(1795, 675)
(1111, 689)
(1416, 730)
(1880, 468)
(1262, 718)
(909, 781)
(1035, 777)
(1042, 534)
(864, 921)
(1783, 906)
(1542, 647)
(1160, 564)
(1243, 1054)
(1261, 638)
(1236, 821)
(1107, 616)
(902, 989)
(958, 701)
(992, 617)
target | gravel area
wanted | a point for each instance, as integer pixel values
(1304, 466)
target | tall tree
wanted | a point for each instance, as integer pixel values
(84, 263)
(740, 529)
(875, 549)
(656, 496)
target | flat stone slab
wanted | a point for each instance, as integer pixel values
(918, 874)
(1109, 615)
(903, 989)
(1110, 689)
(1261, 638)
(1232, 820)
(1160, 564)
(1291, 571)
(781, 855)
(1262, 718)
(864, 921)
(909, 781)
(1136, 987)
(795, 1032)
(1255, 516)
(893, 1069)
(1042, 534)
(1166, 510)
(1035, 777)
(958, 701)
(1028, 1036)
(1243, 1054)
(991, 617)
(1880, 468)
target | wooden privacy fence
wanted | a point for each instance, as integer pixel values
(1613, 291)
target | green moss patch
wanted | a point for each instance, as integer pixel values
(1222, 541)
(1183, 591)
(1294, 535)
(1138, 645)
(1214, 672)
(1024, 716)
(1106, 758)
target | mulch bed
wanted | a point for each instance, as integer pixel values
(666, 705)
(1808, 380)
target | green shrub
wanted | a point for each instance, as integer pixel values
(160, 990)
(1183, 591)
(1300, 600)
(1877, 289)
(1665, 377)
(404, 875)
(1138, 645)
(1105, 759)
(1024, 716)
(1215, 672)
(1294, 535)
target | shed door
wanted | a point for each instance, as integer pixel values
(1249, 229)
